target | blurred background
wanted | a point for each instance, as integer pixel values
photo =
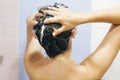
(13, 16)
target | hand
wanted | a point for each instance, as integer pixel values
(31, 21)
(61, 15)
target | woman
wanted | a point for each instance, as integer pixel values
(62, 66)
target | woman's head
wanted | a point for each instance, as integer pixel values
(52, 45)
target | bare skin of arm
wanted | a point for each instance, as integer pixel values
(71, 19)
(33, 51)
(101, 59)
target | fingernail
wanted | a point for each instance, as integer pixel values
(53, 34)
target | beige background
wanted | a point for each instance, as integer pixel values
(9, 21)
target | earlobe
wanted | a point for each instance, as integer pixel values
(70, 43)
(74, 32)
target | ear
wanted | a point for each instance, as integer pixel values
(74, 32)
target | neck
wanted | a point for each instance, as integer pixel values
(64, 56)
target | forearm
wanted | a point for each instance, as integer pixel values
(33, 51)
(30, 35)
(106, 15)
(32, 42)
(70, 19)
(33, 48)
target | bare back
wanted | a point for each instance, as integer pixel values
(58, 69)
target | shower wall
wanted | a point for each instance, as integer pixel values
(9, 24)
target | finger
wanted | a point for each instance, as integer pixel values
(34, 23)
(58, 31)
(53, 8)
(51, 20)
(38, 15)
(53, 13)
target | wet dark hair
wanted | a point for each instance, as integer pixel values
(52, 45)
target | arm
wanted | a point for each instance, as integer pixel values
(106, 15)
(33, 50)
(101, 59)
(71, 19)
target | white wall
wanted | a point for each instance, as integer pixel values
(98, 32)
(9, 19)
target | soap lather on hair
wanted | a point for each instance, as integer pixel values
(52, 45)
